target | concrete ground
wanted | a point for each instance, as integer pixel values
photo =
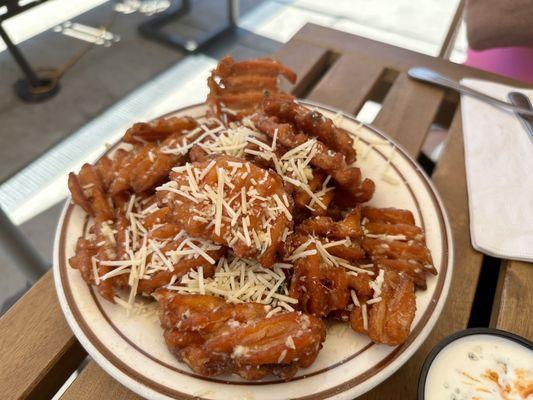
(100, 78)
(105, 75)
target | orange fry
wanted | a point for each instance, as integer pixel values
(214, 337)
(159, 129)
(390, 215)
(312, 123)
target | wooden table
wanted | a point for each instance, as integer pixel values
(39, 352)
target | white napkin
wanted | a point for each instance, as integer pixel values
(499, 172)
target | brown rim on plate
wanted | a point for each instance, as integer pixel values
(153, 385)
(212, 379)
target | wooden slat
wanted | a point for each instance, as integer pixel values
(408, 111)
(39, 350)
(514, 299)
(348, 83)
(392, 56)
(307, 60)
(450, 179)
(94, 383)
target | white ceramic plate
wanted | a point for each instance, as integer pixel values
(132, 349)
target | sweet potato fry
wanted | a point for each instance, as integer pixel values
(240, 83)
(312, 123)
(413, 269)
(392, 239)
(236, 88)
(159, 129)
(88, 192)
(404, 231)
(350, 226)
(302, 199)
(333, 163)
(321, 288)
(232, 202)
(389, 320)
(150, 168)
(214, 337)
(390, 215)
(397, 250)
(260, 66)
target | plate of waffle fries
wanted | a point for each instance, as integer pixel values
(255, 246)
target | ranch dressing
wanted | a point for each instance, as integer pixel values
(479, 367)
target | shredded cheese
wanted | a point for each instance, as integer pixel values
(95, 271)
(354, 298)
(239, 280)
(374, 300)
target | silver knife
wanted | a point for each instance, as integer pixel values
(430, 76)
(522, 101)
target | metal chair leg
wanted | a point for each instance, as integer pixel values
(33, 88)
(20, 251)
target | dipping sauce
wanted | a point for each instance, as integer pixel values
(479, 367)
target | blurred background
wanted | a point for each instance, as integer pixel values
(121, 61)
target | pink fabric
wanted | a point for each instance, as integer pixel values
(514, 62)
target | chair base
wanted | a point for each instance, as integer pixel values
(45, 89)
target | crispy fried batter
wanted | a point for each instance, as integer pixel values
(214, 337)
(206, 200)
(236, 89)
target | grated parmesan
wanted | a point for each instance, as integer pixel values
(365, 317)
(354, 298)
